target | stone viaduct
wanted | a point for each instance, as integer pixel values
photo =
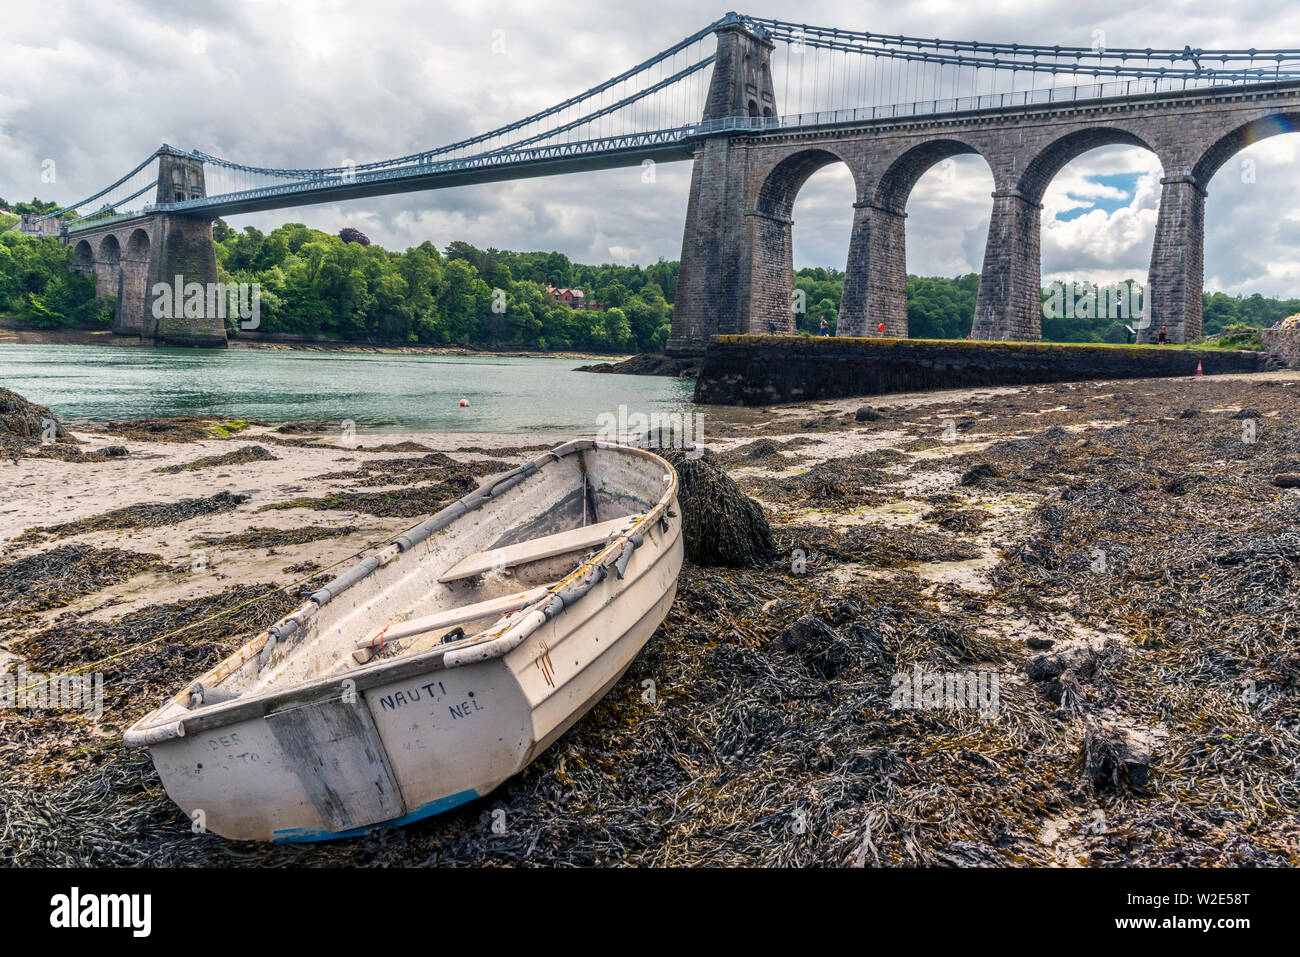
(128, 257)
(736, 264)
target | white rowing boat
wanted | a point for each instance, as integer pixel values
(439, 665)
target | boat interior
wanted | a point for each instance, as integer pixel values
(457, 585)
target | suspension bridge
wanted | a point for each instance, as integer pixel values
(758, 105)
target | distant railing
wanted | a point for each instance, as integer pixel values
(962, 104)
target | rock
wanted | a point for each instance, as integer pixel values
(1287, 480)
(1075, 656)
(25, 420)
(647, 364)
(806, 631)
(114, 451)
(1114, 757)
(867, 414)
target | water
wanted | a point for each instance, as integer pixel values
(379, 392)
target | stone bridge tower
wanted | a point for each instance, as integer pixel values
(130, 257)
(712, 285)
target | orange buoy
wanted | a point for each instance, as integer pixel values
(464, 403)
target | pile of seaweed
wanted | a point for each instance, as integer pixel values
(720, 524)
(144, 658)
(32, 431)
(178, 429)
(833, 484)
(149, 515)
(241, 456)
(874, 545)
(271, 538)
(763, 452)
(22, 419)
(435, 467)
(512, 450)
(58, 577)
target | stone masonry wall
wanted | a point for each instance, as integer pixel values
(767, 370)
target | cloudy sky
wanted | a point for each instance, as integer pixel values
(95, 87)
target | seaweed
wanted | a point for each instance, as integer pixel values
(151, 515)
(58, 577)
(263, 537)
(241, 456)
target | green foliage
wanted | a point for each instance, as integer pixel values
(316, 284)
(1238, 336)
(36, 206)
(313, 284)
(36, 286)
(939, 308)
(1223, 311)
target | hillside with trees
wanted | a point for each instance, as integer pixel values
(346, 287)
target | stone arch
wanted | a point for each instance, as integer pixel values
(771, 246)
(83, 258)
(107, 268)
(1232, 143)
(903, 173)
(1177, 278)
(1056, 155)
(110, 251)
(134, 290)
(875, 284)
(1010, 295)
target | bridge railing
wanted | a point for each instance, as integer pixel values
(962, 104)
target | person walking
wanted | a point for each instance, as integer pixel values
(824, 329)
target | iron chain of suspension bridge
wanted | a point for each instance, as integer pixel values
(658, 108)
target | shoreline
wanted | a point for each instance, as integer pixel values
(11, 334)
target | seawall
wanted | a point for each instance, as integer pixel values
(766, 370)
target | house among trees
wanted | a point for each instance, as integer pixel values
(573, 298)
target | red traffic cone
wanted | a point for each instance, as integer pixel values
(1199, 371)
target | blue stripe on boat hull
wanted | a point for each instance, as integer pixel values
(303, 835)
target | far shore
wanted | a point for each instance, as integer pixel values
(12, 332)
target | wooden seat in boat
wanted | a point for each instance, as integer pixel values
(455, 616)
(536, 549)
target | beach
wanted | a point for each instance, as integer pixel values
(1108, 563)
